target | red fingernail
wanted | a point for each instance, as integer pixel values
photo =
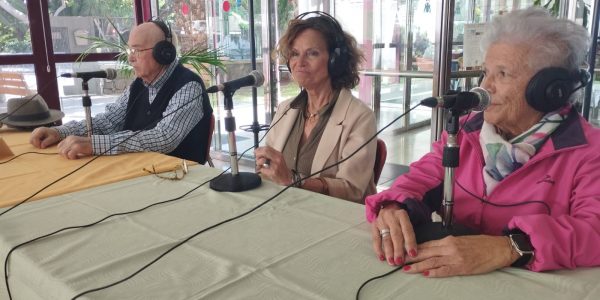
(426, 273)
(412, 252)
(399, 261)
(381, 257)
(406, 268)
(391, 261)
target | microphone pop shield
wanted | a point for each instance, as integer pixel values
(484, 98)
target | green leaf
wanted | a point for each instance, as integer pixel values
(198, 58)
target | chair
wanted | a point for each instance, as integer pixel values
(380, 156)
(13, 83)
(211, 129)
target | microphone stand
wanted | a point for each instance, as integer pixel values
(234, 181)
(255, 127)
(450, 161)
(87, 104)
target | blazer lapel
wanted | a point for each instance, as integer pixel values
(284, 128)
(333, 131)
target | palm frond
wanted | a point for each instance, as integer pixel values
(200, 59)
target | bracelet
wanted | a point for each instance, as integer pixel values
(296, 179)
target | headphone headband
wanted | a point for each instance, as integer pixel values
(338, 51)
(166, 29)
(164, 52)
(317, 14)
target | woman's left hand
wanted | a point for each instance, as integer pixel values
(271, 164)
(461, 255)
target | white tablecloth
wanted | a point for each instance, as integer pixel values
(299, 246)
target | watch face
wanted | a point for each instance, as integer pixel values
(522, 241)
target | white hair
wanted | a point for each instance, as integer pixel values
(555, 42)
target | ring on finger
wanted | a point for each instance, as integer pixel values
(267, 163)
(384, 231)
(385, 234)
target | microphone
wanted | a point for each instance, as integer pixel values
(477, 99)
(255, 79)
(109, 74)
(484, 98)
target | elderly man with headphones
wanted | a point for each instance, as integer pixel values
(325, 123)
(164, 110)
(529, 165)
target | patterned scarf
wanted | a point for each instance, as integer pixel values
(504, 157)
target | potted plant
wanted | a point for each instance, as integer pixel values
(198, 58)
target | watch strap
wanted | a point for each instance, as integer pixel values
(525, 257)
(522, 261)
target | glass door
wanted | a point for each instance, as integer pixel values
(42, 39)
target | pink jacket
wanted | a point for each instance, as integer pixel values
(565, 174)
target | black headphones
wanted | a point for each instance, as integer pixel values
(550, 88)
(338, 52)
(164, 52)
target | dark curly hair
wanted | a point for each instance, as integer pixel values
(353, 57)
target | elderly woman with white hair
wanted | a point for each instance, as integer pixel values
(529, 165)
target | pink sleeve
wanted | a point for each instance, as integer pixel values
(424, 175)
(569, 240)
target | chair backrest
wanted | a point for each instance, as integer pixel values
(380, 156)
(211, 129)
(13, 83)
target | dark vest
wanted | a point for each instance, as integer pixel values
(144, 116)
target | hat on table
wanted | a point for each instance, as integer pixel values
(29, 112)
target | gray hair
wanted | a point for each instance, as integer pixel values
(556, 42)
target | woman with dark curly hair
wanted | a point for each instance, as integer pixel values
(325, 123)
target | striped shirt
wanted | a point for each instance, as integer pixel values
(183, 112)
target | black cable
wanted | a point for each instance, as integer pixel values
(25, 103)
(506, 205)
(497, 204)
(130, 107)
(31, 152)
(245, 213)
(116, 214)
(476, 197)
(101, 154)
(85, 164)
(375, 278)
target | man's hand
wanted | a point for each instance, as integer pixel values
(44, 137)
(74, 147)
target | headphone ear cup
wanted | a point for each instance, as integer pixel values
(584, 77)
(549, 89)
(164, 52)
(333, 62)
(338, 59)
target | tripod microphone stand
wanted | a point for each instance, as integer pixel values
(450, 161)
(235, 181)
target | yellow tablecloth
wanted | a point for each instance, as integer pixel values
(29, 173)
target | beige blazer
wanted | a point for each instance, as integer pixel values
(350, 125)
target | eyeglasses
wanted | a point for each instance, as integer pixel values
(136, 52)
(178, 171)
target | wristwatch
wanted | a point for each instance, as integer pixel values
(522, 245)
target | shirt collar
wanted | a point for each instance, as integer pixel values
(163, 78)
